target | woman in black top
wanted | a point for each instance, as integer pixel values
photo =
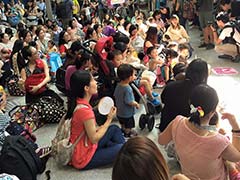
(175, 95)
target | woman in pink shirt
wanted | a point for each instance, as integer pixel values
(82, 62)
(202, 151)
(99, 145)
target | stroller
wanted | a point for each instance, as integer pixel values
(147, 119)
(106, 74)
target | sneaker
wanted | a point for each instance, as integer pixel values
(154, 94)
(225, 56)
(202, 45)
(210, 46)
(159, 85)
(155, 102)
(44, 151)
(236, 59)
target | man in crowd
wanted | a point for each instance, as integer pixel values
(228, 41)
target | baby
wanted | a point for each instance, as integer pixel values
(51, 47)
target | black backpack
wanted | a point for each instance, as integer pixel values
(18, 157)
(235, 25)
(60, 79)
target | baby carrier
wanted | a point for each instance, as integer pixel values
(106, 74)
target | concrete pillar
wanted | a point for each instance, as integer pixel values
(49, 9)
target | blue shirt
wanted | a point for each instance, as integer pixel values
(123, 97)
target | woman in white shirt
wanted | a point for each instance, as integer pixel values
(176, 32)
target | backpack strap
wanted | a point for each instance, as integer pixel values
(234, 28)
(63, 118)
(79, 106)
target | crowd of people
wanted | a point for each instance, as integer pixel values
(119, 40)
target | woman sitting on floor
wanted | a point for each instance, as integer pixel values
(201, 149)
(176, 32)
(99, 145)
(35, 76)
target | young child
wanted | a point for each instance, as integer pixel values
(55, 33)
(166, 68)
(117, 60)
(154, 65)
(125, 101)
(51, 47)
(183, 51)
(153, 59)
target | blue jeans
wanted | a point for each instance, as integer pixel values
(108, 148)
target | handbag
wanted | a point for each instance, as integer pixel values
(13, 86)
(62, 149)
(50, 109)
(27, 116)
(34, 80)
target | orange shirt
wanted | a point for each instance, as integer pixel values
(82, 154)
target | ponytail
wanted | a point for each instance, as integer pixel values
(72, 103)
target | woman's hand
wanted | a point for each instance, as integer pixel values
(21, 84)
(112, 113)
(35, 89)
(212, 28)
(232, 120)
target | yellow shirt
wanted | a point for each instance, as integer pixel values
(76, 8)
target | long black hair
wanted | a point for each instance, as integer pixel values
(78, 81)
(61, 38)
(82, 59)
(17, 47)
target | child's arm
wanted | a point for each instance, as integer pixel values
(134, 104)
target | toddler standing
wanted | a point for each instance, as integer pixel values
(125, 101)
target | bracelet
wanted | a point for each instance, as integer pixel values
(236, 131)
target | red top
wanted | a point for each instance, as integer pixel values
(82, 154)
(62, 48)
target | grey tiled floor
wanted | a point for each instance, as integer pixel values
(228, 88)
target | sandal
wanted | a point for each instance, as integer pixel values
(44, 151)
